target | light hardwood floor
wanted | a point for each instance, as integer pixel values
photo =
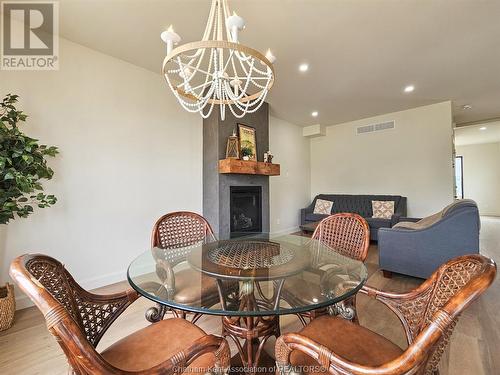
(27, 348)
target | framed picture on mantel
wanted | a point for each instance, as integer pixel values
(248, 144)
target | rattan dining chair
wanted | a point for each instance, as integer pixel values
(428, 315)
(78, 320)
(176, 233)
(345, 233)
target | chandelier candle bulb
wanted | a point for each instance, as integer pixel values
(270, 56)
(186, 73)
(236, 84)
(170, 37)
(235, 23)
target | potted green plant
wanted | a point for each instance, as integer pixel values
(246, 153)
(23, 165)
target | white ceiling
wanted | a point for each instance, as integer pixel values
(361, 52)
(476, 134)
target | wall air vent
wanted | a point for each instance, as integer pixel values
(375, 127)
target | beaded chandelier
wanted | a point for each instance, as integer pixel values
(218, 70)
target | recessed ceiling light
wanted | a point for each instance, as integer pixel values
(303, 67)
(466, 107)
(314, 114)
(483, 128)
(409, 88)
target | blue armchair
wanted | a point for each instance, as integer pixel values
(419, 248)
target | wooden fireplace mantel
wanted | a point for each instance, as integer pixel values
(236, 166)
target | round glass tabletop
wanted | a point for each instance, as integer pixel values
(253, 275)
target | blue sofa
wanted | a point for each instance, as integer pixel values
(359, 204)
(419, 248)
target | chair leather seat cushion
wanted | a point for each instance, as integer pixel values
(193, 287)
(155, 344)
(348, 340)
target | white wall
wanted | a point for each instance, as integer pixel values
(482, 175)
(290, 191)
(413, 160)
(129, 153)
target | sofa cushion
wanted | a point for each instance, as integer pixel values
(323, 207)
(315, 217)
(383, 209)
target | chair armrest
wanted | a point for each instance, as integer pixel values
(303, 212)
(310, 208)
(128, 296)
(396, 218)
(401, 208)
(401, 304)
(113, 304)
(330, 362)
(410, 219)
(182, 359)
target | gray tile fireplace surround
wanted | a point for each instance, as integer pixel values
(216, 187)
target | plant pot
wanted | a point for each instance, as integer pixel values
(246, 158)
(7, 306)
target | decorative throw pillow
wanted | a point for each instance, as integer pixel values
(382, 209)
(323, 207)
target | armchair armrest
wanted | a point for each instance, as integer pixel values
(334, 364)
(410, 219)
(112, 304)
(396, 218)
(400, 210)
(403, 305)
(304, 211)
(182, 359)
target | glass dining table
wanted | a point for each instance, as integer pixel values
(250, 281)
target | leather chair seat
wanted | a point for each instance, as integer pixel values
(194, 288)
(155, 344)
(348, 340)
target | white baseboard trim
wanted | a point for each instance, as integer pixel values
(22, 300)
(286, 231)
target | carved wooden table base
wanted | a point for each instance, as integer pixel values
(250, 335)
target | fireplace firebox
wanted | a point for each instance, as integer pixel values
(245, 210)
